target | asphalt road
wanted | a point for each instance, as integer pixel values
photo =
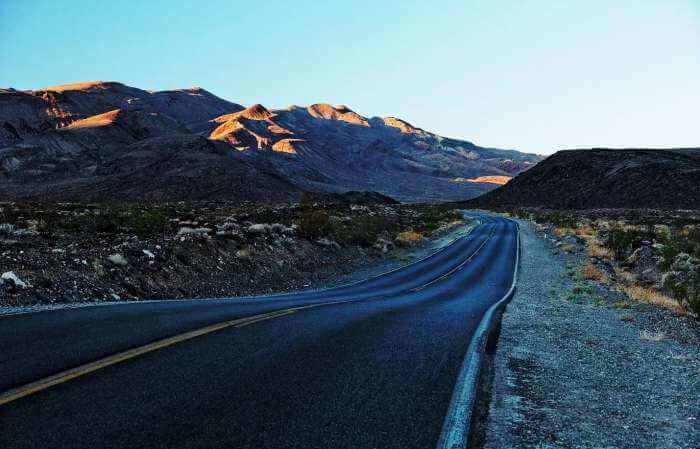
(369, 365)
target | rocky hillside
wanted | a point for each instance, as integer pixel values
(604, 178)
(105, 140)
(72, 252)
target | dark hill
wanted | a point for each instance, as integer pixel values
(604, 178)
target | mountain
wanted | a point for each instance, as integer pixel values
(100, 140)
(605, 178)
(27, 113)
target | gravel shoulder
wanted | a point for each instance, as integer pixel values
(587, 369)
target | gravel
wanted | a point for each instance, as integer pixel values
(577, 372)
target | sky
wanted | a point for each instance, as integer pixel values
(537, 76)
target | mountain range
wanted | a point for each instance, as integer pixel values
(105, 140)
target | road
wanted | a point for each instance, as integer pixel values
(368, 365)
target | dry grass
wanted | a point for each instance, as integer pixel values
(589, 235)
(408, 238)
(625, 276)
(593, 246)
(595, 249)
(592, 272)
(651, 296)
(562, 232)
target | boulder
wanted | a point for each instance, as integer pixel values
(11, 280)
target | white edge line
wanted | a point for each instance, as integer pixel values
(455, 429)
(254, 297)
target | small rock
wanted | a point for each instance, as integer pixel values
(197, 232)
(259, 228)
(243, 254)
(118, 260)
(324, 242)
(278, 228)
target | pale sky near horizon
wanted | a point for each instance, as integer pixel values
(536, 76)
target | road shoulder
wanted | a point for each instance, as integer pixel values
(570, 371)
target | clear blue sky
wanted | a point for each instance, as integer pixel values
(533, 75)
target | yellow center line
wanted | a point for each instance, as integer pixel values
(458, 267)
(64, 376)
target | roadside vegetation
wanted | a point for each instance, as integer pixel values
(395, 225)
(652, 257)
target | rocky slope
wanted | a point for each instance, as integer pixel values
(102, 140)
(604, 178)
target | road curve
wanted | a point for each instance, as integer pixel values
(368, 365)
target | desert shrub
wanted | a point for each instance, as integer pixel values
(8, 213)
(146, 222)
(687, 292)
(557, 218)
(521, 213)
(113, 218)
(673, 245)
(363, 230)
(623, 240)
(434, 216)
(107, 220)
(683, 281)
(46, 226)
(314, 223)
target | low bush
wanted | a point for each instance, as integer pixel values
(556, 218)
(110, 219)
(147, 222)
(314, 223)
(434, 216)
(673, 245)
(683, 282)
(621, 241)
(362, 230)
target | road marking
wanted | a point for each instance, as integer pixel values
(458, 267)
(64, 376)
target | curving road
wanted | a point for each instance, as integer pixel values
(368, 365)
